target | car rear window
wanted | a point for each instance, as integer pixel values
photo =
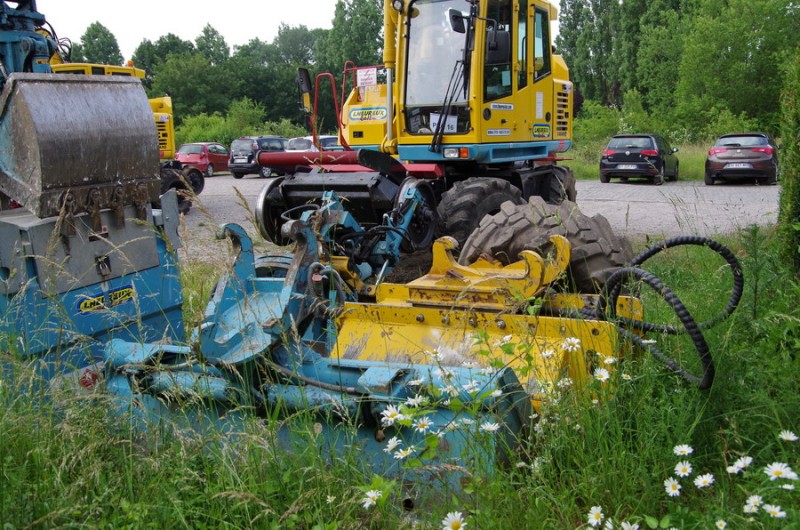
(631, 142)
(191, 149)
(742, 141)
(241, 145)
(300, 144)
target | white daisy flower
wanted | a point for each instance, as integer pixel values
(416, 401)
(609, 524)
(330, 499)
(626, 377)
(601, 374)
(721, 524)
(750, 508)
(370, 498)
(403, 453)
(547, 353)
(733, 469)
(755, 500)
(571, 344)
(609, 359)
(743, 462)
(490, 426)
(472, 386)
(788, 436)
(564, 382)
(683, 469)
(451, 390)
(416, 382)
(629, 526)
(672, 486)
(422, 424)
(682, 450)
(467, 421)
(774, 511)
(704, 481)
(393, 443)
(778, 470)
(595, 514)
(391, 415)
(453, 521)
(789, 487)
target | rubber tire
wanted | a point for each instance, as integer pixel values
(562, 186)
(210, 170)
(265, 172)
(195, 178)
(605, 179)
(237, 175)
(464, 205)
(709, 180)
(674, 178)
(597, 252)
(174, 179)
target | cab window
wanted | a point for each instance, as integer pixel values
(541, 44)
(497, 73)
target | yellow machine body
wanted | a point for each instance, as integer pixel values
(478, 316)
(526, 98)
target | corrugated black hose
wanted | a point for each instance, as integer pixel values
(607, 304)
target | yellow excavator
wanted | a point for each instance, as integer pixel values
(471, 101)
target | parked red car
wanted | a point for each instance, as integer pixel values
(208, 157)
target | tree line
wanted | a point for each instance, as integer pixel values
(690, 69)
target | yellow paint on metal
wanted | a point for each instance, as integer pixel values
(475, 315)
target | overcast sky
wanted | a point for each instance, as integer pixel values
(132, 21)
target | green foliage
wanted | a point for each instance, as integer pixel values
(98, 45)
(212, 45)
(789, 216)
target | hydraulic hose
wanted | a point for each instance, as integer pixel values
(607, 304)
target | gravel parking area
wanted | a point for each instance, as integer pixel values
(636, 210)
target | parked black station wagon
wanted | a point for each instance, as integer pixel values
(639, 156)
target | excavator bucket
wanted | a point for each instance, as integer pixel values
(80, 143)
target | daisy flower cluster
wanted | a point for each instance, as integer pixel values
(778, 472)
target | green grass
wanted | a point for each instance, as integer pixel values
(67, 462)
(585, 160)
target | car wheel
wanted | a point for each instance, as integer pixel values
(237, 175)
(265, 172)
(709, 180)
(210, 170)
(675, 176)
(605, 179)
(771, 180)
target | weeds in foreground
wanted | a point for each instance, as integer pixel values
(600, 459)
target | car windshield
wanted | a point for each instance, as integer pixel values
(432, 51)
(191, 149)
(300, 144)
(326, 142)
(742, 141)
(636, 142)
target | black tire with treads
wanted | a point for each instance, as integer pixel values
(596, 251)
(467, 202)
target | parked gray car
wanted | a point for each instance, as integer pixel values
(743, 156)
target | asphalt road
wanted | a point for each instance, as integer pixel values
(633, 209)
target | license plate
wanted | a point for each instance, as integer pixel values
(239, 160)
(738, 165)
(626, 166)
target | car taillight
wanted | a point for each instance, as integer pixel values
(766, 150)
(649, 152)
(609, 152)
(716, 150)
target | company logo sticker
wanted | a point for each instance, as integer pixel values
(541, 130)
(95, 304)
(368, 114)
